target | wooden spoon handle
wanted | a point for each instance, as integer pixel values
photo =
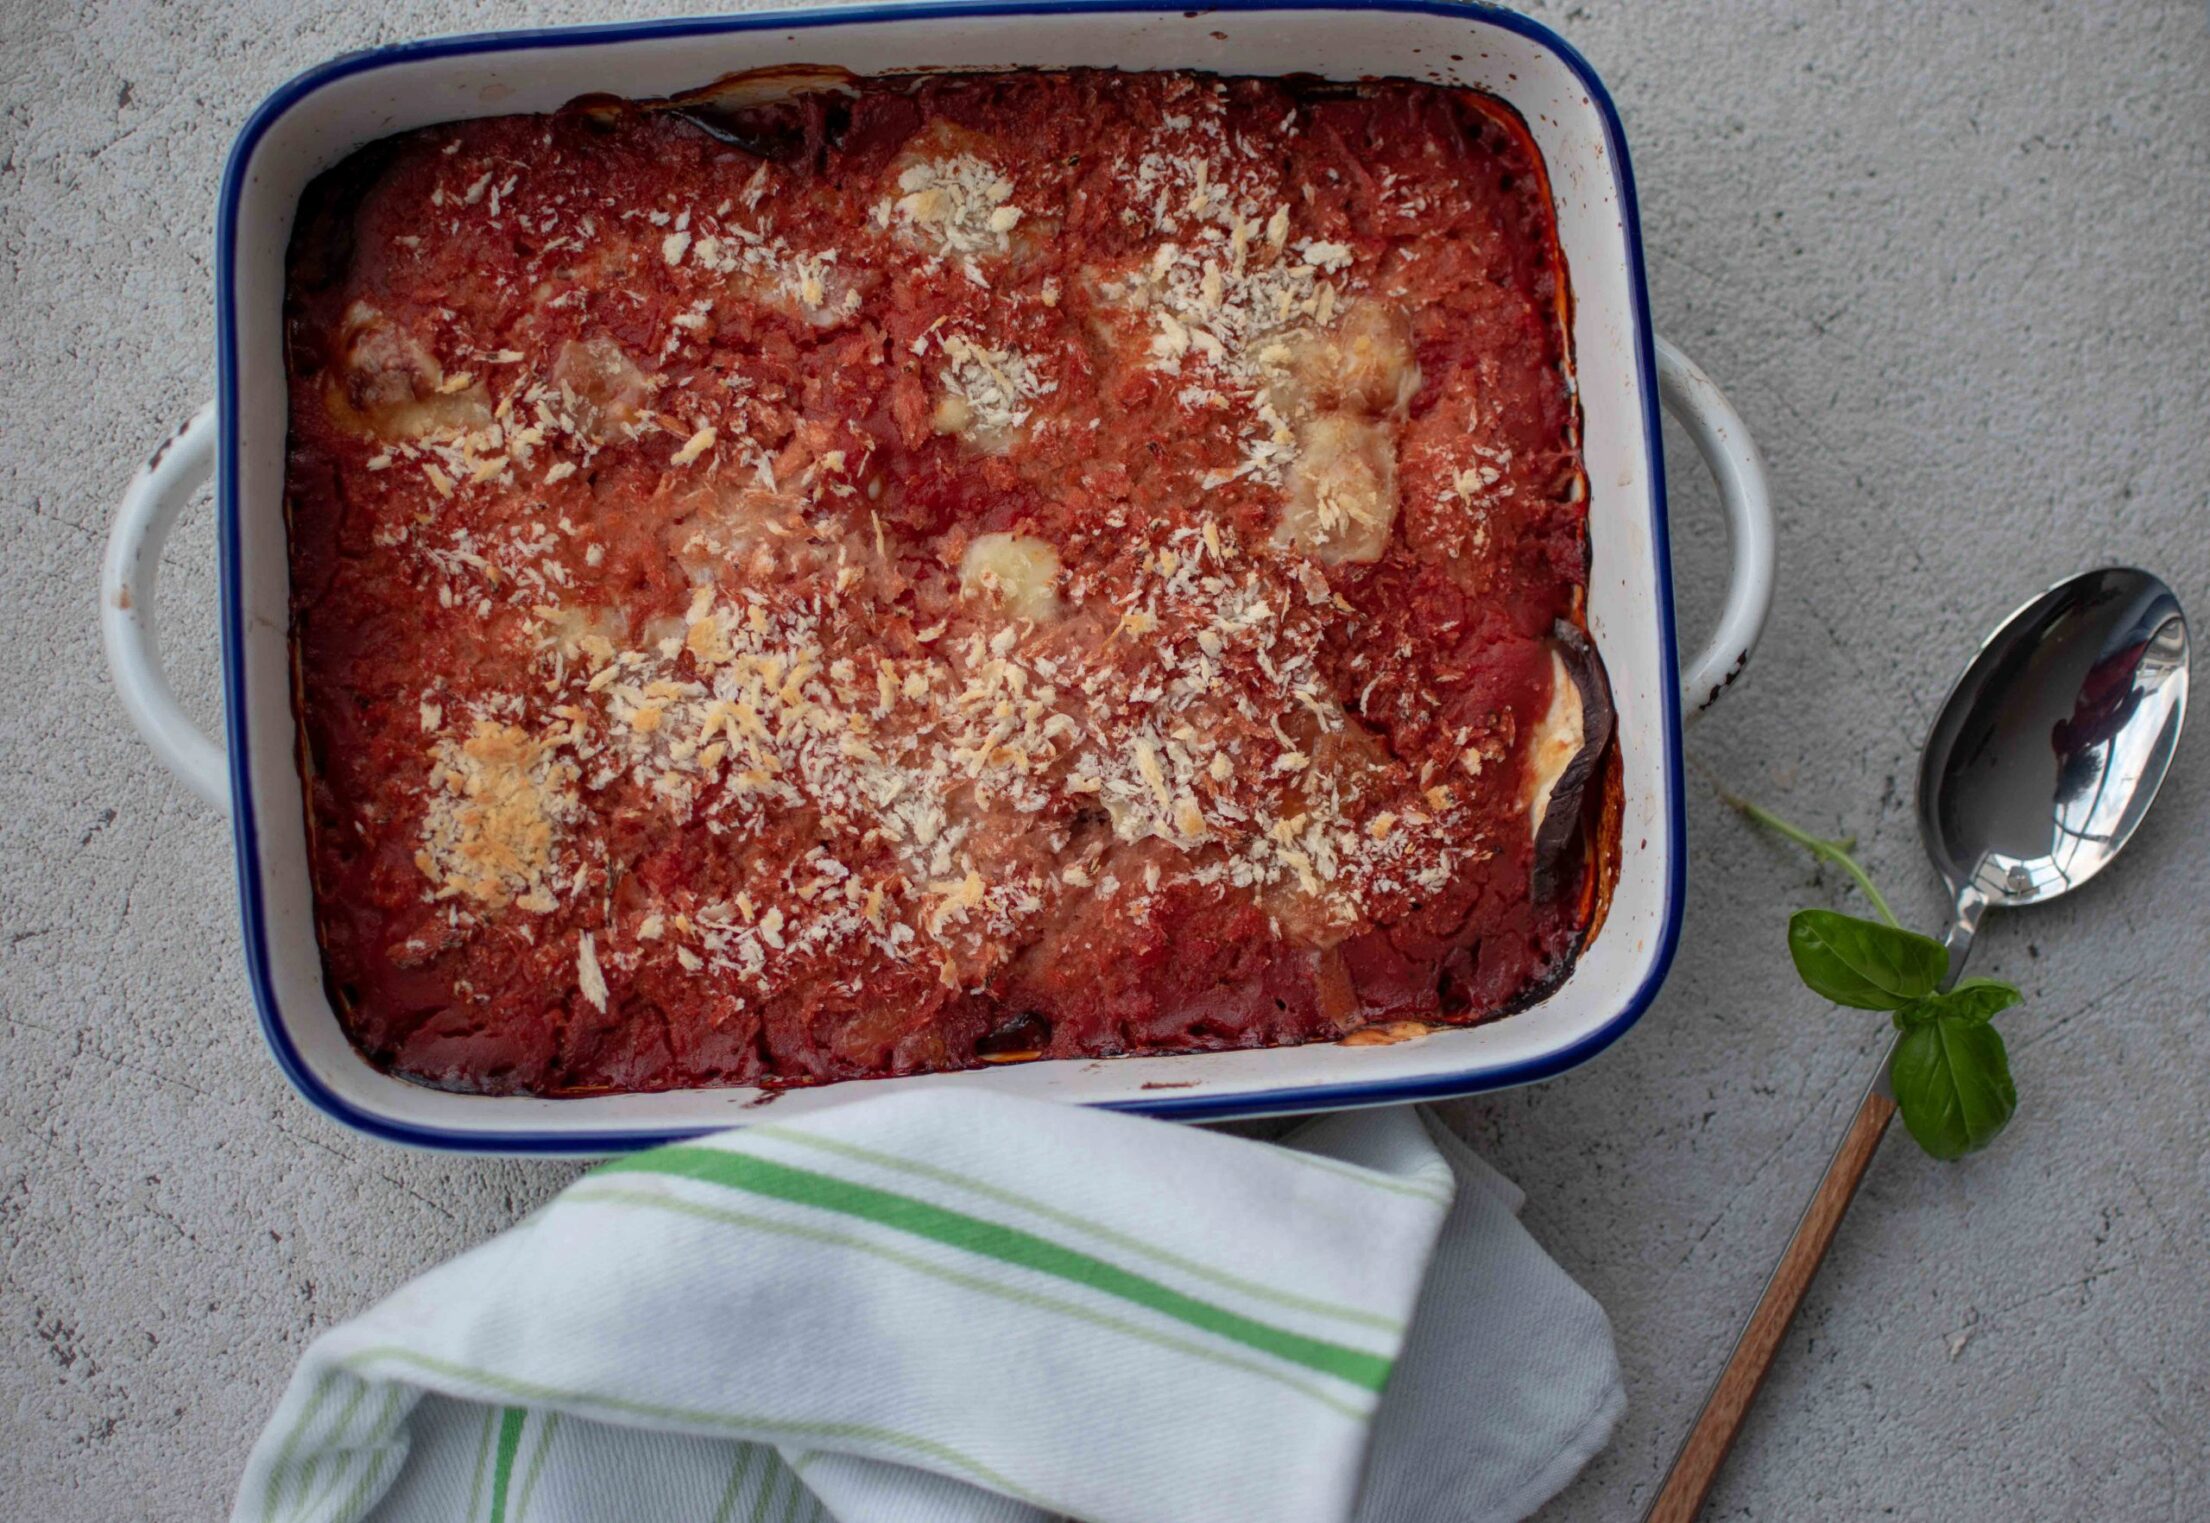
(1697, 1464)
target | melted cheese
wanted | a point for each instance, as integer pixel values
(1556, 740)
(1347, 387)
(1364, 364)
(1342, 498)
(602, 387)
(1021, 572)
(389, 386)
(951, 201)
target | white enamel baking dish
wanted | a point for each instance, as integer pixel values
(320, 117)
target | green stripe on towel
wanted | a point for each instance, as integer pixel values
(662, 1199)
(545, 1434)
(502, 1470)
(747, 1454)
(280, 1473)
(1100, 1230)
(1010, 1245)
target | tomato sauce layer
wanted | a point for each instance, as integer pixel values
(941, 571)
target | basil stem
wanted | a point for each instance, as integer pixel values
(1836, 852)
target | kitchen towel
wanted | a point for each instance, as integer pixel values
(957, 1307)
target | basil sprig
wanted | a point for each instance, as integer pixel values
(1950, 1074)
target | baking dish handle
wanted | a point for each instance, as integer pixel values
(149, 511)
(1701, 408)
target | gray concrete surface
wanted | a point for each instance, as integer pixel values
(1950, 261)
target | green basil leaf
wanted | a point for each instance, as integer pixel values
(1862, 963)
(1976, 999)
(1952, 1082)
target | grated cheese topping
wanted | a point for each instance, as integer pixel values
(988, 393)
(500, 803)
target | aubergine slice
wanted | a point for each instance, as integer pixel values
(786, 114)
(1022, 1039)
(791, 133)
(1562, 757)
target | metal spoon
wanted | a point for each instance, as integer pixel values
(2043, 760)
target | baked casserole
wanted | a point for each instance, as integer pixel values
(836, 577)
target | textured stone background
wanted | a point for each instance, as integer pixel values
(1951, 263)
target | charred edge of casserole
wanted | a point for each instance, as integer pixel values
(318, 252)
(1598, 820)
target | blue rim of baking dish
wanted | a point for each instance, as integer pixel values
(1198, 1107)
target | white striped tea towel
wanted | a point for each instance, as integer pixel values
(962, 1308)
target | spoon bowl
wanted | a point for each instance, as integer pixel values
(2052, 745)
